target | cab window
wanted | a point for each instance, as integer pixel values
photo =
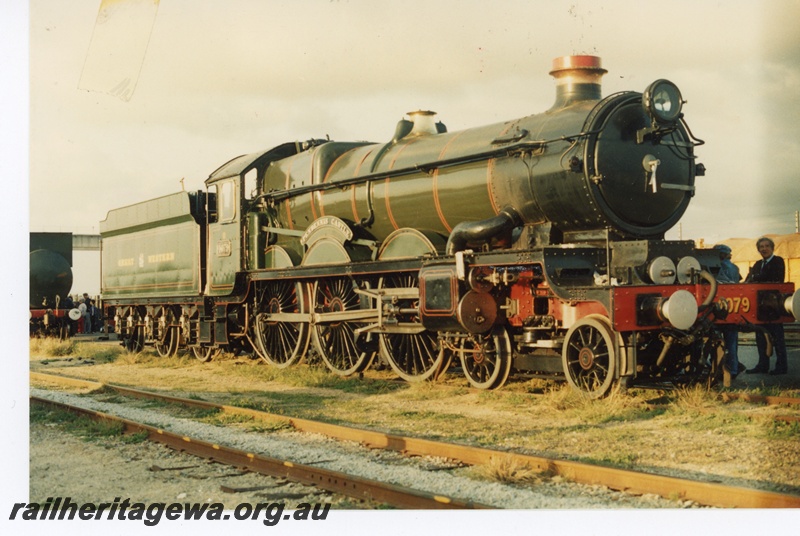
(226, 201)
(251, 184)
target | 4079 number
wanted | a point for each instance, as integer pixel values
(737, 304)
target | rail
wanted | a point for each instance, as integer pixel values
(706, 493)
(334, 481)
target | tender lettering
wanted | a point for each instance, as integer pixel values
(161, 257)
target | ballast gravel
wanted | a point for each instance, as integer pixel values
(424, 474)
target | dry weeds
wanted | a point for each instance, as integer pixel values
(508, 471)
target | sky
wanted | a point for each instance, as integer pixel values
(219, 79)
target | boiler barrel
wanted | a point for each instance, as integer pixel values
(587, 173)
(50, 277)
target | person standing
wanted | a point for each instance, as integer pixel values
(69, 305)
(82, 319)
(97, 318)
(87, 313)
(770, 269)
(729, 273)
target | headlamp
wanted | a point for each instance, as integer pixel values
(662, 101)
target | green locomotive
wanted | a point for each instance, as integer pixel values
(534, 245)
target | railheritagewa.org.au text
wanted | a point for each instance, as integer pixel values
(270, 514)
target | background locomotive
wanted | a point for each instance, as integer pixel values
(50, 282)
(534, 245)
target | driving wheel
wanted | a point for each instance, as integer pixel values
(280, 343)
(413, 356)
(343, 350)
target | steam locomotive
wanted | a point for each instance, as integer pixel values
(50, 282)
(534, 246)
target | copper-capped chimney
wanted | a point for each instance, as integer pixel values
(577, 79)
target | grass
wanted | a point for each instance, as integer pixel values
(81, 426)
(249, 422)
(694, 398)
(110, 397)
(50, 347)
(396, 407)
(223, 418)
(508, 471)
(180, 410)
(540, 416)
(616, 407)
(624, 460)
(783, 430)
(138, 358)
(697, 410)
(134, 438)
(536, 386)
(772, 390)
(425, 391)
(727, 422)
(314, 376)
(291, 402)
(432, 416)
(257, 404)
(150, 359)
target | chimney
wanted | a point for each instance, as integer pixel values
(577, 79)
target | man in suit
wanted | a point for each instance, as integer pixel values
(770, 269)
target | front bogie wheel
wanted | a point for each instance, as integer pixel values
(589, 356)
(486, 359)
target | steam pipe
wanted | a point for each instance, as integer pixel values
(481, 231)
(712, 292)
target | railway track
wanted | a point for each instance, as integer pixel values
(333, 481)
(634, 482)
